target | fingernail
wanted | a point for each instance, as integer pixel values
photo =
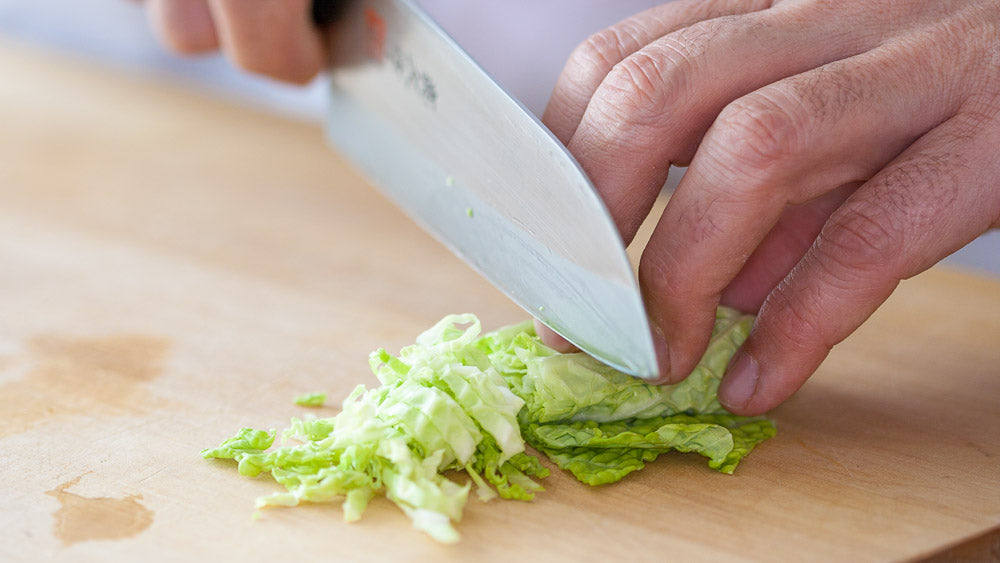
(662, 355)
(740, 383)
(553, 340)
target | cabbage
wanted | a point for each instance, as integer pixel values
(598, 453)
(601, 424)
(315, 399)
(578, 387)
(441, 406)
(464, 402)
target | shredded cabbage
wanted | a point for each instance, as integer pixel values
(458, 400)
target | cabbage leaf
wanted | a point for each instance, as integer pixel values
(458, 401)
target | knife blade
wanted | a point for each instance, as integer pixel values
(478, 171)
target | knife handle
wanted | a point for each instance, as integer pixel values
(326, 11)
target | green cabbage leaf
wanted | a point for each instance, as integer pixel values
(458, 401)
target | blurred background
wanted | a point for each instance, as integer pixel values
(524, 54)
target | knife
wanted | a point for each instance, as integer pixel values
(429, 127)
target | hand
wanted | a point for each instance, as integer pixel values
(835, 147)
(272, 37)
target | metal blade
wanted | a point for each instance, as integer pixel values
(431, 129)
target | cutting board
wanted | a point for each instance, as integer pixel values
(175, 267)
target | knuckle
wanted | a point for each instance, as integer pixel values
(639, 82)
(600, 52)
(887, 228)
(643, 84)
(794, 319)
(643, 89)
(860, 238)
(915, 191)
(595, 57)
(754, 133)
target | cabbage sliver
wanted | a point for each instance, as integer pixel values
(441, 406)
(458, 400)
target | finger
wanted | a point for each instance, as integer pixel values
(781, 249)
(272, 37)
(593, 59)
(553, 339)
(655, 106)
(784, 144)
(938, 196)
(184, 26)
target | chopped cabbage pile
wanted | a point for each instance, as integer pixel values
(458, 400)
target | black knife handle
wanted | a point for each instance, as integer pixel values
(326, 11)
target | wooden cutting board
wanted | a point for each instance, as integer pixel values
(175, 267)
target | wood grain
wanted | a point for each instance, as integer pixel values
(175, 267)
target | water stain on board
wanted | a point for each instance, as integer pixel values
(82, 518)
(82, 376)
